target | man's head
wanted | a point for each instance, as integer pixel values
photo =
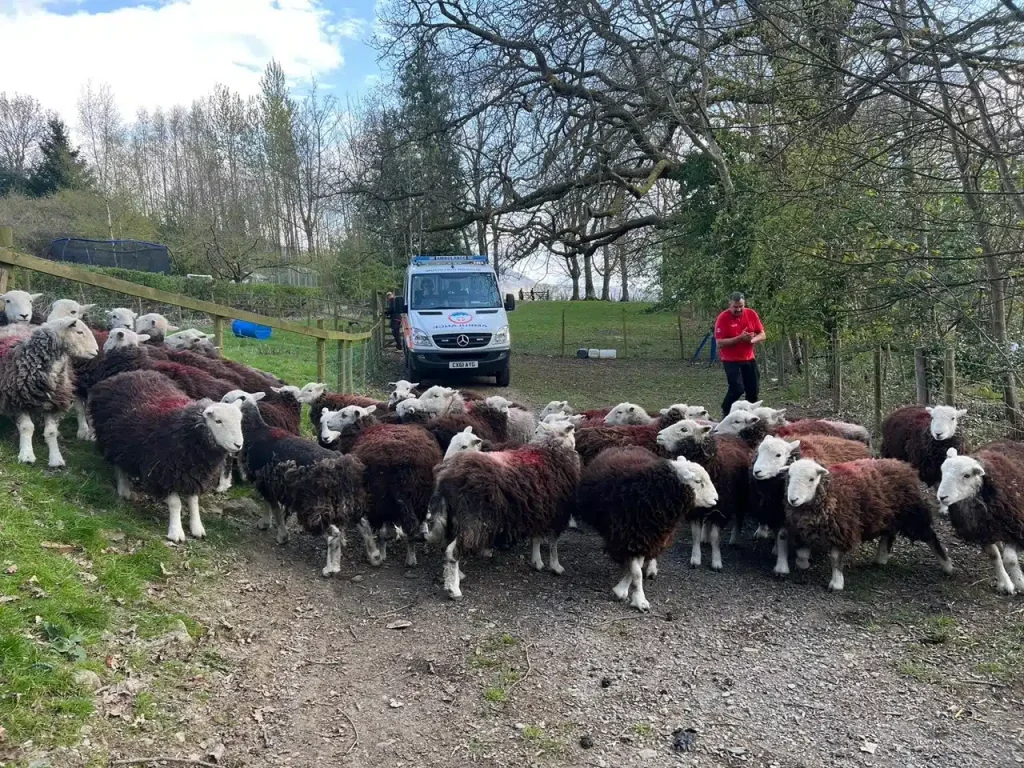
(736, 304)
(391, 294)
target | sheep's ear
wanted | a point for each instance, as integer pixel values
(794, 445)
(414, 383)
(143, 337)
(35, 296)
(930, 410)
(757, 404)
(172, 328)
(278, 390)
(822, 471)
(951, 453)
(258, 395)
(978, 471)
(371, 408)
(391, 384)
(780, 413)
(703, 429)
(87, 307)
(960, 414)
(468, 430)
(324, 411)
(754, 419)
(664, 411)
(784, 469)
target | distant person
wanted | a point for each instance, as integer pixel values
(531, 295)
(394, 320)
(521, 295)
(737, 330)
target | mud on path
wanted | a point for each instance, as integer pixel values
(906, 668)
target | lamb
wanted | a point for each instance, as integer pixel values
(402, 390)
(35, 378)
(399, 461)
(121, 318)
(521, 422)
(773, 417)
(18, 308)
(727, 461)
(838, 508)
(525, 492)
(319, 398)
(636, 500)
(324, 489)
(189, 339)
(556, 408)
(463, 441)
(984, 498)
(768, 482)
(172, 446)
(752, 429)
(922, 437)
(155, 325)
(80, 367)
(63, 308)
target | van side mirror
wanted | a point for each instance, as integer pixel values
(398, 305)
(510, 302)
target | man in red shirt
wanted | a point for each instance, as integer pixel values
(737, 330)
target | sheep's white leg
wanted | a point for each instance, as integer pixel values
(553, 564)
(1012, 565)
(334, 540)
(195, 523)
(572, 522)
(782, 552)
(639, 600)
(370, 542)
(25, 431)
(174, 530)
(451, 572)
(85, 431)
(696, 531)
(383, 544)
(884, 550)
(716, 548)
(124, 486)
(651, 568)
(735, 535)
(705, 533)
(762, 532)
(535, 558)
(50, 436)
(836, 585)
(224, 484)
(803, 558)
(410, 553)
(621, 590)
(281, 523)
(267, 521)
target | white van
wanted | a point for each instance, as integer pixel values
(453, 319)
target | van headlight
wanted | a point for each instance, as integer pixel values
(502, 336)
(421, 339)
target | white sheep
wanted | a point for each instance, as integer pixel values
(401, 390)
(122, 317)
(63, 308)
(155, 324)
(18, 306)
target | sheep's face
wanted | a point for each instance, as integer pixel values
(409, 410)
(121, 318)
(224, 421)
(698, 479)
(556, 434)
(240, 396)
(119, 338)
(773, 417)
(805, 476)
(961, 478)
(681, 411)
(672, 437)
(464, 441)
(438, 399)
(154, 324)
(944, 421)
(576, 419)
(63, 308)
(403, 390)
(744, 405)
(625, 414)
(288, 389)
(190, 338)
(338, 422)
(736, 422)
(498, 403)
(310, 392)
(78, 336)
(773, 456)
(18, 306)
(555, 408)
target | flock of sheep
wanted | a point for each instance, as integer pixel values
(468, 474)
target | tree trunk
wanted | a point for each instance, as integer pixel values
(623, 271)
(588, 274)
(495, 243)
(574, 273)
(606, 276)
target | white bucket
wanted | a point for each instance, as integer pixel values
(607, 354)
(594, 354)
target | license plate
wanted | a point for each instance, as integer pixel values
(465, 364)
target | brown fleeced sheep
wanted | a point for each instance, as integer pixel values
(752, 429)
(984, 495)
(636, 501)
(768, 481)
(922, 436)
(838, 508)
(591, 441)
(528, 492)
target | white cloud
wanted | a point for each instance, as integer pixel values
(167, 54)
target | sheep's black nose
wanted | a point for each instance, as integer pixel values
(943, 499)
(24, 316)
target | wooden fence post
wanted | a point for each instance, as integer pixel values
(563, 333)
(6, 241)
(949, 377)
(218, 333)
(682, 344)
(341, 365)
(806, 351)
(837, 372)
(920, 376)
(878, 390)
(363, 347)
(321, 354)
(351, 367)
(625, 338)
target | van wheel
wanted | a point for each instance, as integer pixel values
(503, 377)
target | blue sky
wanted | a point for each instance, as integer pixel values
(165, 52)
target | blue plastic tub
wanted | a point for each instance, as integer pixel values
(250, 330)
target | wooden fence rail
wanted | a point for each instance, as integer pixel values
(10, 258)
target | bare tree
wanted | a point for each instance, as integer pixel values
(22, 125)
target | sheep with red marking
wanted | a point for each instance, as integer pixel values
(158, 437)
(768, 482)
(776, 417)
(81, 368)
(983, 494)
(527, 492)
(319, 399)
(592, 441)
(36, 380)
(399, 461)
(402, 390)
(727, 461)
(636, 501)
(836, 509)
(922, 436)
(488, 419)
(752, 429)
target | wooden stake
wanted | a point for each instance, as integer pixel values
(949, 377)
(921, 376)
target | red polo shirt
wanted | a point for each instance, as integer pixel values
(729, 327)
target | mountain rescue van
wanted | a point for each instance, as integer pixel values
(453, 319)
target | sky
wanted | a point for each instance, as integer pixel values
(166, 52)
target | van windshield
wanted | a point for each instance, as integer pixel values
(454, 290)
